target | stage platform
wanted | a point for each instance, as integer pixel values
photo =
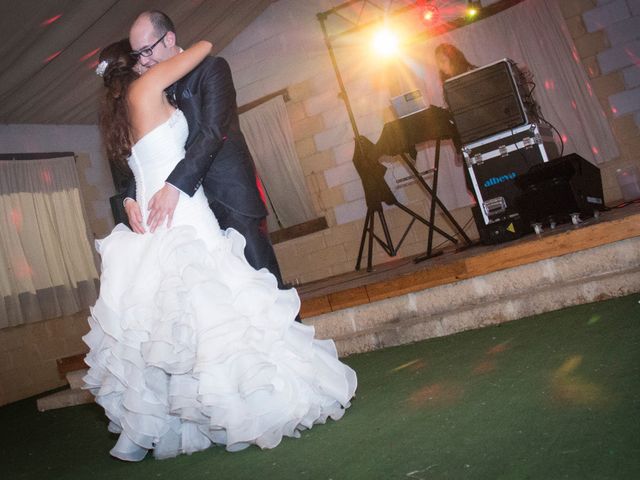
(339, 306)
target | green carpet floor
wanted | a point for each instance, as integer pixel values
(547, 397)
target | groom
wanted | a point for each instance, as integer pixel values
(216, 155)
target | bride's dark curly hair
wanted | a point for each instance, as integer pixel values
(114, 111)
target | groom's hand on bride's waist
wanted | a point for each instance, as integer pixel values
(162, 205)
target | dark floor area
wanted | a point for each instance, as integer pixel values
(547, 397)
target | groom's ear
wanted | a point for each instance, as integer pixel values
(170, 40)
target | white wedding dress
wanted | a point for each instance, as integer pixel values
(189, 345)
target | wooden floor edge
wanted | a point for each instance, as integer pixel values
(537, 249)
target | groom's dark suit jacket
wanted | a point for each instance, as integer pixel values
(217, 155)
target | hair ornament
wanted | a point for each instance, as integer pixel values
(101, 68)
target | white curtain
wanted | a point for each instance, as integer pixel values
(268, 133)
(47, 266)
(534, 35)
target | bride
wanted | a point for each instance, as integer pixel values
(189, 345)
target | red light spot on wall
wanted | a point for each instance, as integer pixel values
(52, 56)
(22, 269)
(46, 176)
(89, 55)
(16, 218)
(49, 21)
(634, 58)
(575, 55)
(589, 89)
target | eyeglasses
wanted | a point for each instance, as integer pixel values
(147, 51)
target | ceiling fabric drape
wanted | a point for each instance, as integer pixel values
(49, 49)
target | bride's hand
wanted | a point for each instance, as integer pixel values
(162, 205)
(134, 215)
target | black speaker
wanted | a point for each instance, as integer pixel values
(559, 188)
(489, 100)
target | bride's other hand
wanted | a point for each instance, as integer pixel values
(162, 205)
(134, 214)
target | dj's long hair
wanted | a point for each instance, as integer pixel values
(115, 124)
(459, 62)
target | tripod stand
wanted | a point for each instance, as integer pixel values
(434, 201)
(400, 137)
(376, 193)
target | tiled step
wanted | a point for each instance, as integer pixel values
(64, 398)
(70, 397)
(75, 378)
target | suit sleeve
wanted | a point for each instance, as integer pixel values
(218, 108)
(130, 192)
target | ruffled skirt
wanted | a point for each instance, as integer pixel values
(190, 346)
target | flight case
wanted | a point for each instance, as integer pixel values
(493, 164)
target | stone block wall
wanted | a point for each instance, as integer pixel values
(607, 38)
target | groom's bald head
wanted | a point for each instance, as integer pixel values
(153, 32)
(160, 21)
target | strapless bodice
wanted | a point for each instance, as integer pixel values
(155, 155)
(153, 158)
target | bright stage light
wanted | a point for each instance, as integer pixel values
(385, 43)
(429, 13)
(428, 10)
(473, 9)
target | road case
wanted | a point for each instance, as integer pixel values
(494, 163)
